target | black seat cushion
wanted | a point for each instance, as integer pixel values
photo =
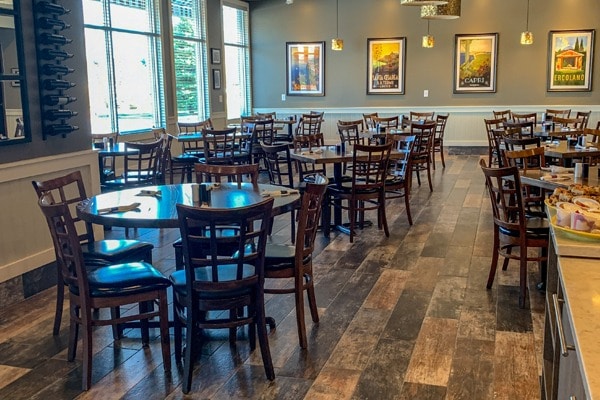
(226, 273)
(276, 254)
(117, 251)
(124, 279)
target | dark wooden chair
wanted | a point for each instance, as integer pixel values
(226, 173)
(505, 114)
(421, 156)
(141, 167)
(493, 129)
(222, 146)
(512, 227)
(438, 139)
(368, 119)
(191, 150)
(553, 113)
(518, 129)
(221, 289)
(387, 122)
(366, 190)
(585, 116)
(527, 159)
(295, 262)
(70, 190)
(421, 116)
(109, 286)
(398, 181)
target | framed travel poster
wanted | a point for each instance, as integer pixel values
(386, 65)
(570, 60)
(305, 68)
(475, 61)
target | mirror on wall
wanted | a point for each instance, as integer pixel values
(13, 99)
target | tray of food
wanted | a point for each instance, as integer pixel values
(576, 210)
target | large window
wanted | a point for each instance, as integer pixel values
(125, 58)
(237, 58)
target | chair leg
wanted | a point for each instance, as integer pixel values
(407, 205)
(87, 349)
(263, 339)
(352, 217)
(310, 294)
(381, 212)
(165, 339)
(188, 359)
(429, 177)
(143, 306)
(442, 155)
(494, 264)
(60, 299)
(523, 277)
(177, 334)
(300, 323)
(73, 334)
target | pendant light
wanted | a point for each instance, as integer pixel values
(526, 36)
(428, 41)
(447, 11)
(337, 44)
(422, 2)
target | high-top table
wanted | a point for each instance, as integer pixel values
(161, 211)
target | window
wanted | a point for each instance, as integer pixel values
(125, 58)
(237, 58)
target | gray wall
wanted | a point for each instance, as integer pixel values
(521, 78)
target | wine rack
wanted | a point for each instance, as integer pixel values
(53, 69)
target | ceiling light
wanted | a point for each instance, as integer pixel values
(337, 44)
(526, 36)
(428, 41)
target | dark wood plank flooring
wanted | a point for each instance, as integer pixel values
(404, 317)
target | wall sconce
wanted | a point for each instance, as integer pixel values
(337, 44)
(447, 11)
(428, 41)
(526, 36)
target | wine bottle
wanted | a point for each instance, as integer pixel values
(56, 69)
(60, 129)
(53, 38)
(53, 84)
(51, 54)
(56, 100)
(53, 23)
(48, 7)
(53, 115)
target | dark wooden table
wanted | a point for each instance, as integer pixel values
(533, 178)
(566, 153)
(161, 212)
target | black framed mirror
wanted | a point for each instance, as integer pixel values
(14, 113)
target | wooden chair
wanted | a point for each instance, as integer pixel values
(506, 114)
(368, 119)
(421, 156)
(70, 190)
(387, 122)
(295, 262)
(221, 146)
(308, 132)
(109, 286)
(263, 131)
(493, 128)
(191, 151)
(515, 143)
(398, 180)
(572, 123)
(164, 162)
(421, 116)
(594, 132)
(108, 165)
(226, 173)
(141, 167)
(551, 114)
(221, 289)
(438, 139)
(525, 117)
(528, 159)
(518, 128)
(585, 116)
(359, 122)
(512, 227)
(366, 190)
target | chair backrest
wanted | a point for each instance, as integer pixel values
(368, 118)
(368, 173)
(552, 113)
(220, 145)
(491, 125)
(515, 143)
(425, 116)
(405, 144)
(164, 161)
(309, 124)
(67, 247)
(387, 122)
(504, 187)
(279, 164)
(263, 131)
(226, 173)
(525, 117)
(424, 134)
(349, 133)
(98, 138)
(141, 168)
(525, 159)
(574, 123)
(359, 122)
(158, 133)
(518, 128)
(188, 128)
(308, 217)
(506, 114)
(441, 120)
(267, 115)
(70, 190)
(594, 132)
(585, 116)
(228, 261)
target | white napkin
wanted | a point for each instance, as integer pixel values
(118, 209)
(278, 193)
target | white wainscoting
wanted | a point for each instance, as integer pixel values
(26, 243)
(465, 125)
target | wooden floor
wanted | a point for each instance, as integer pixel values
(404, 317)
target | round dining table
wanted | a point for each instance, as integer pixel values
(157, 204)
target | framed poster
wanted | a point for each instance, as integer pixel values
(386, 65)
(216, 78)
(570, 60)
(305, 68)
(475, 61)
(215, 56)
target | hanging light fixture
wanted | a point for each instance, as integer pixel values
(526, 36)
(428, 40)
(337, 44)
(446, 11)
(423, 2)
